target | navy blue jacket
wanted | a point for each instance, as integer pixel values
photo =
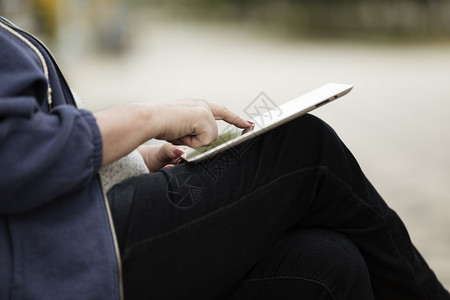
(56, 240)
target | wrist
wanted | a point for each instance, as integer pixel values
(148, 120)
(156, 119)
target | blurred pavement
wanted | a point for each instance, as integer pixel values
(395, 120)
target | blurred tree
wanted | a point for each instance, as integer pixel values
(406, 19)
(109, 18)
(45, 13)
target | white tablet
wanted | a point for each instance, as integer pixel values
(271, 117)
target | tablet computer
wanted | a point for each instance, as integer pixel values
(271, 118)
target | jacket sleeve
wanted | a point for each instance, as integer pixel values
(43, 155)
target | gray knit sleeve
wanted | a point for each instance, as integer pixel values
(131, 165)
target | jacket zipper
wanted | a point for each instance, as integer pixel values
(12, 29)
(116, 243)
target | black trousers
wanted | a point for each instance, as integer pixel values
(289, 215)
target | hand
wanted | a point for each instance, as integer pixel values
(192, 122)
(157, 157)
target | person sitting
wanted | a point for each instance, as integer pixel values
(292, 214)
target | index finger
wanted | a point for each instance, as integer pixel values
(222, 113)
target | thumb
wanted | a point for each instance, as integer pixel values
(168, 153)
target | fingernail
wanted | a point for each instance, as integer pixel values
(251, 123)
(178, 152)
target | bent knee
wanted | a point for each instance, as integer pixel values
(316, 254)
(316, 261)
(325, 251)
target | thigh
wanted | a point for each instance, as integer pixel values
(309, 263)
(195, 229)
(279, 166)
(199, 248)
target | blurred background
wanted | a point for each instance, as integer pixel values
(396, 53)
